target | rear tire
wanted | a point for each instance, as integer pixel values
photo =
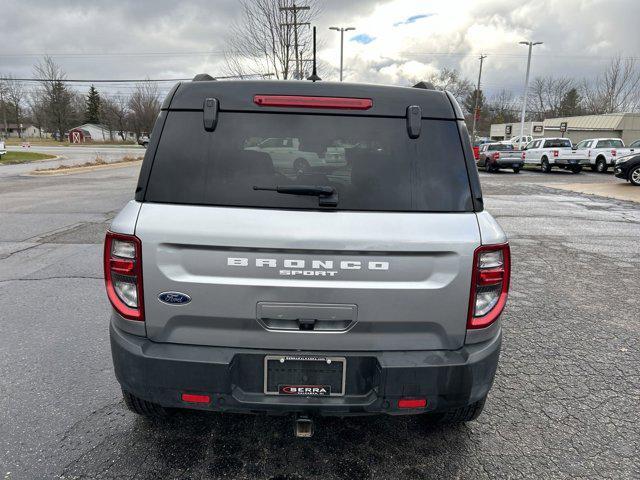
(144, 408)
(458, 415)
(516, 169)
(601, 165)
(634, 176)
(300, 164)
(545, 166)
(577, 169)
(593, 168)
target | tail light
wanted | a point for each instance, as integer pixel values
(556, 153)
(614, 153)
(490, 284)
(123, 274)
(496, 156)
(524, 155)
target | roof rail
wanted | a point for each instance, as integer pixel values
(203, 77)
(425, 85)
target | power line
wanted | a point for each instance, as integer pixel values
(140, 80)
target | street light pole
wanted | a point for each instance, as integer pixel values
(341, 30)
(475, 108)
(526, 86)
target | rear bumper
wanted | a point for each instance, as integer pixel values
(570, 162)
(506, 163)
(233, 378)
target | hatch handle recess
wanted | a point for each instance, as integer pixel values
(210, 114)
(414, 120)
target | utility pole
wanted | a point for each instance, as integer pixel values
(294, 8)
(475, 108)
(4, 107)
(341, 30)
(526, 86)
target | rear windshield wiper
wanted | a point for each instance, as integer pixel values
(327, 195)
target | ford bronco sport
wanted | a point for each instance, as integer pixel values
(243, 283)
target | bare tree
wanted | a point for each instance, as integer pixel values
(503, 107)
(56, 97)
(3, 105)
(14, 98)
(115, 112)
(616, 90)
(264, 40)
(451, 80)
(145, 107)
(546, 95)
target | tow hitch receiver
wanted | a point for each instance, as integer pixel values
(303, 426)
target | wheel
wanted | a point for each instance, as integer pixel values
(576, 169)
(145, 144)
(487, 166)
(300, 164)
(634, 176)
(144, 408)
(458, 415)
(601, 165)
(516, 169)
(593, 168)
(545, 166)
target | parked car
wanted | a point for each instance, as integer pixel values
(602, 152)
(634, 146)
(554, 152)
(628, 168)
(477, 144)
(518, 141)
(494, 156)
(239, 285)
(144, 141)
(286, 152)
(3, 150)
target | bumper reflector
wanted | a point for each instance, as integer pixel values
(412, 403)
(193, 398)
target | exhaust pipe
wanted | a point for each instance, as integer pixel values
(303, 427)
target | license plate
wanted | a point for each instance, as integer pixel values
(304, 376)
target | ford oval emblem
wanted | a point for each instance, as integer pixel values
(174, 298)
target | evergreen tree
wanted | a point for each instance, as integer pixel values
(92, 113)
(570, 104)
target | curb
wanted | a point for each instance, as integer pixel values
(73, 170)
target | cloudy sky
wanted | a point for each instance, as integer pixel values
(395, 42)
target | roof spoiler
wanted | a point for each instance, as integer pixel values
(203, 77)
(425, 85)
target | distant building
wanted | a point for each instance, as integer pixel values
(90, 132)
(24, 130)
(504, 131)
(614, 125)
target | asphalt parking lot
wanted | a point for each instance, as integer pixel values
(565, 403)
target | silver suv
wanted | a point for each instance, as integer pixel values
(241, 282)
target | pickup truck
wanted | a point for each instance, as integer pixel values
(554, 152)
(603, 152)
(494, 156)
(3, 150)
(519, 141)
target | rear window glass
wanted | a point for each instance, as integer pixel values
(501, 147)
(370, 162)
(610, 144)
(558, 143)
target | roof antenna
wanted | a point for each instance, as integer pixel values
(314, 76)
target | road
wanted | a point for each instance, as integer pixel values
(565, 403)
(70, 156)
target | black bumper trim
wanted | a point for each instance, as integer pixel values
(160, 372)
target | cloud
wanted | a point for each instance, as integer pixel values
(363, 38)
(412, 19)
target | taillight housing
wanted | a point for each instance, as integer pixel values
(496, 156)
(556, 153)
(524, 155)
(614, 153)
(123, 274)
(489, 284)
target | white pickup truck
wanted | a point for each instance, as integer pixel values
(519, 141)
(3, 150)
(603, 152)
(554, 152)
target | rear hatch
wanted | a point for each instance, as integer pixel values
(387, 266)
